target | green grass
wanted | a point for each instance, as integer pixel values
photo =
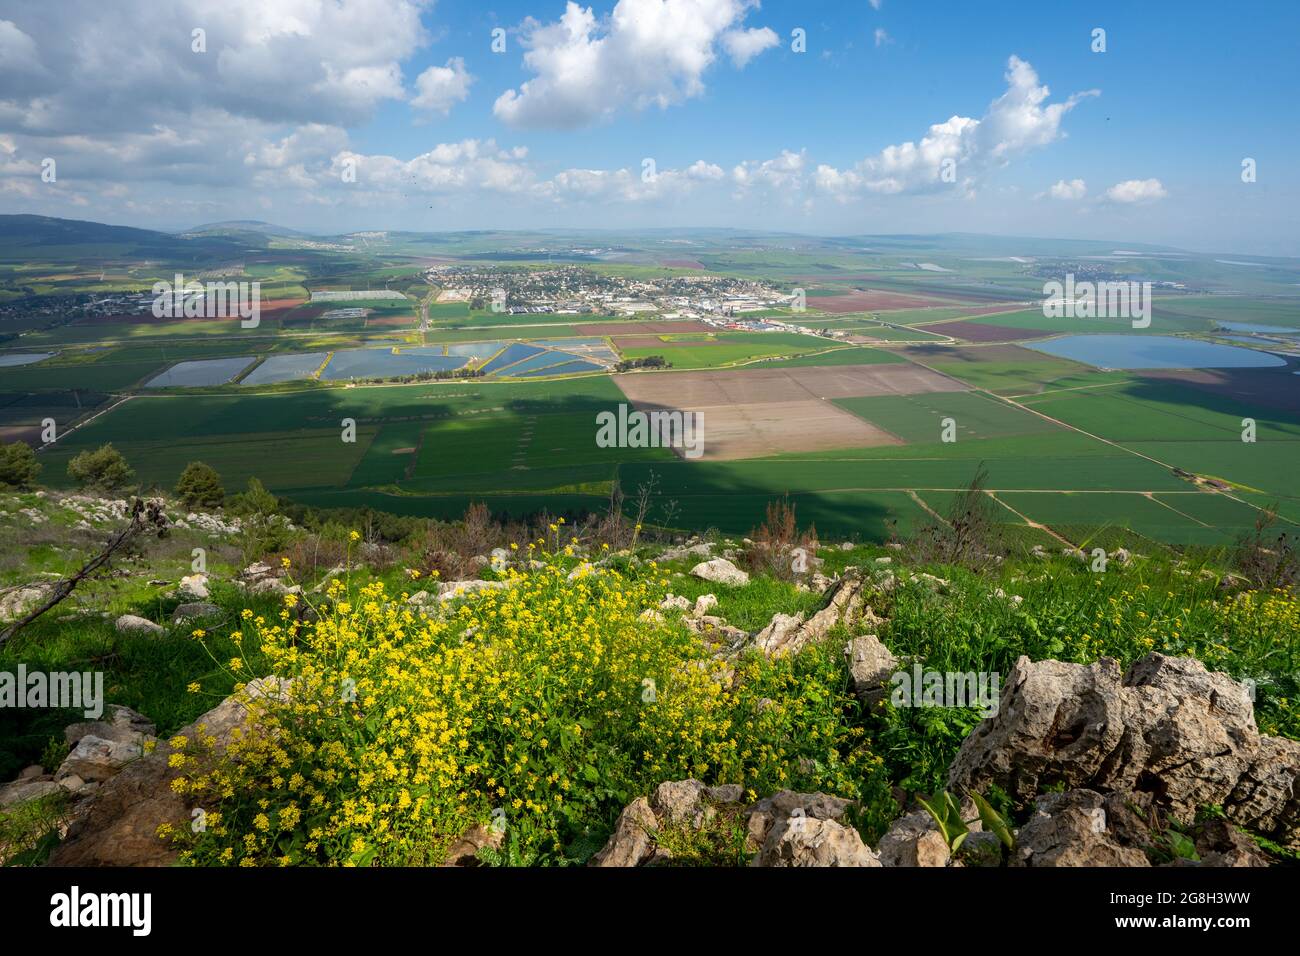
(1005, 370)
(919, 418)
(1163, 322)
(835, 357)
(1161, 518)
(731, 348)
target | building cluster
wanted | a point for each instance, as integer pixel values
(575, 290)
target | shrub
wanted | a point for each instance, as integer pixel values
(200, 486)
(18, 466)
(774, 542)
(551, 700)
(261, 530)
(103, 469)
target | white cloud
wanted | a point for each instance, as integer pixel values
(299, 61)
(783, 174)
(439, 88)
(1136, 191)
(743, 45)
(882, 37)
(625, 185)
(704, 171)
(1073, 189)
(875, 4)
(1015, 123)
(646, 53)
(18, 53)
(466, 165)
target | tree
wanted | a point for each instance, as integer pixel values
(103, 469)
(261, 529)
(18, 466)
(200, 486)
(256, 502)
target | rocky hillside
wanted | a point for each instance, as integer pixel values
(705, 702)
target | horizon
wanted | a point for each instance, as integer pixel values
(231, 224)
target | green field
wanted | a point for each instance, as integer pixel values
(730, 348)
(854, 355)
(918, 419)
(1056, 437)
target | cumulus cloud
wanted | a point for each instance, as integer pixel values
(646, 53)
(18, 52)
(625, 185)
(439, 88)
(743, 45)
(264, 99)
(467, 165)
(131, 64)
(1073, 189)
(782, 173)
(961, 149)
(882, 36)
(1136, 191)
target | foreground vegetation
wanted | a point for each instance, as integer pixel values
(552, 701)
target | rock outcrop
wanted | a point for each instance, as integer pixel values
(1167, 727)
(117, 825)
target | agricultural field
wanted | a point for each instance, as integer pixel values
(847, 408)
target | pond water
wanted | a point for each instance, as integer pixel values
(385, 363)
(540, 361)
(515, 353)
(200, 373)
(477, 350)
(1261, 329)
(11, 359)
(566, 368)
(1153, 351)
(285, 368)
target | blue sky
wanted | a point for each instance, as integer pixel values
(1143, 142)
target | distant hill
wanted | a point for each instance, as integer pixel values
(37, 237)
(46, 230)
(237, 226)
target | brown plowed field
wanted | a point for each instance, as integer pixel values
(767, 411)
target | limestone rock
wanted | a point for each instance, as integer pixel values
(1056, 723)
(196, 611)
(764, 815)
(20, 791)
(16, 602)
(134, 624)
(720, 571)
(194, 587)
(120, 820)
(806, 842)
(914, 840)
(98, 758)
(1069, 829)
(871, 665)
(632, 840)
(1266, 798)
(683, 802)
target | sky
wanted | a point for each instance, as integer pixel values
(1116, 121)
